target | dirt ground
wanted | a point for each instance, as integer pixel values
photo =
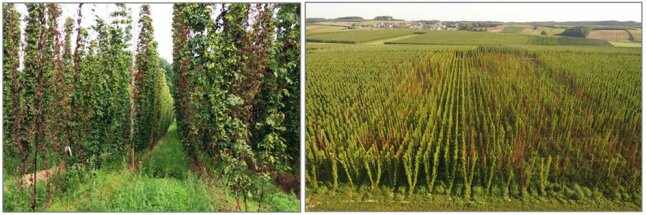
(43, 175)
(496, 29)
(288, 183)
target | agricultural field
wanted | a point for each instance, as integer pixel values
(487, 38)
(626, 44)
(610, 35)
(473, 121)
(513, 29)
(540, 29)
(359, 36)
(618, 37)
(96, 119)
(636, 34)
(552, 31)
(322, 29)
(496, 29)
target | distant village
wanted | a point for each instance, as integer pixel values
(386, 22)
(412, 25)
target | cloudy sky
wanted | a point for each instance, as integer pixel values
(506, 12)
(162, 15)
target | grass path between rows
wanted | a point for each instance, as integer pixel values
(163, 182)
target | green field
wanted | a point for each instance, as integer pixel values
(358, 36)
(626, 44)
(486, 38)
(473, 121)
(552, 31)
(513, 29)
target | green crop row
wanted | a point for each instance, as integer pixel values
(512, 122)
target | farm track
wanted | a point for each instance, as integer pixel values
(154, 148)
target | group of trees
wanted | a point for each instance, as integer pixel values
(349, 18)
(474, 26)
(384, 18)
(76, 99)
(236, 83)
(578, 31)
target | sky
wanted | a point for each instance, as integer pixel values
(161, 14)
(505, 12)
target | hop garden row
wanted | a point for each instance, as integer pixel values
(501, 121)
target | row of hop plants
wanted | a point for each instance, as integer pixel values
(236, 69)
(459, 120)
(68, 105)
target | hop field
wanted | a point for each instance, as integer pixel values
(96, 120)
(358, 36)
(514, 122)
(486, 38)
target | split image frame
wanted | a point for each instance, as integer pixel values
(368, 200)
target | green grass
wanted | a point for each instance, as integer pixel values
(359, 36)
(487, 38)
(15, 199)
(279, 201)
(168, 160)
(626, 44)
(513, 29)
(145, 194)
(348, 199)
(124, 191)
(163, 184)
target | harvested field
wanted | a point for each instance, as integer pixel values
(611, 35)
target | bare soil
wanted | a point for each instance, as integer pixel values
(288, 183)
(43, 175)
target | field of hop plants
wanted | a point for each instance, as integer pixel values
(95, 120)
(516, 127)
(485, 38)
